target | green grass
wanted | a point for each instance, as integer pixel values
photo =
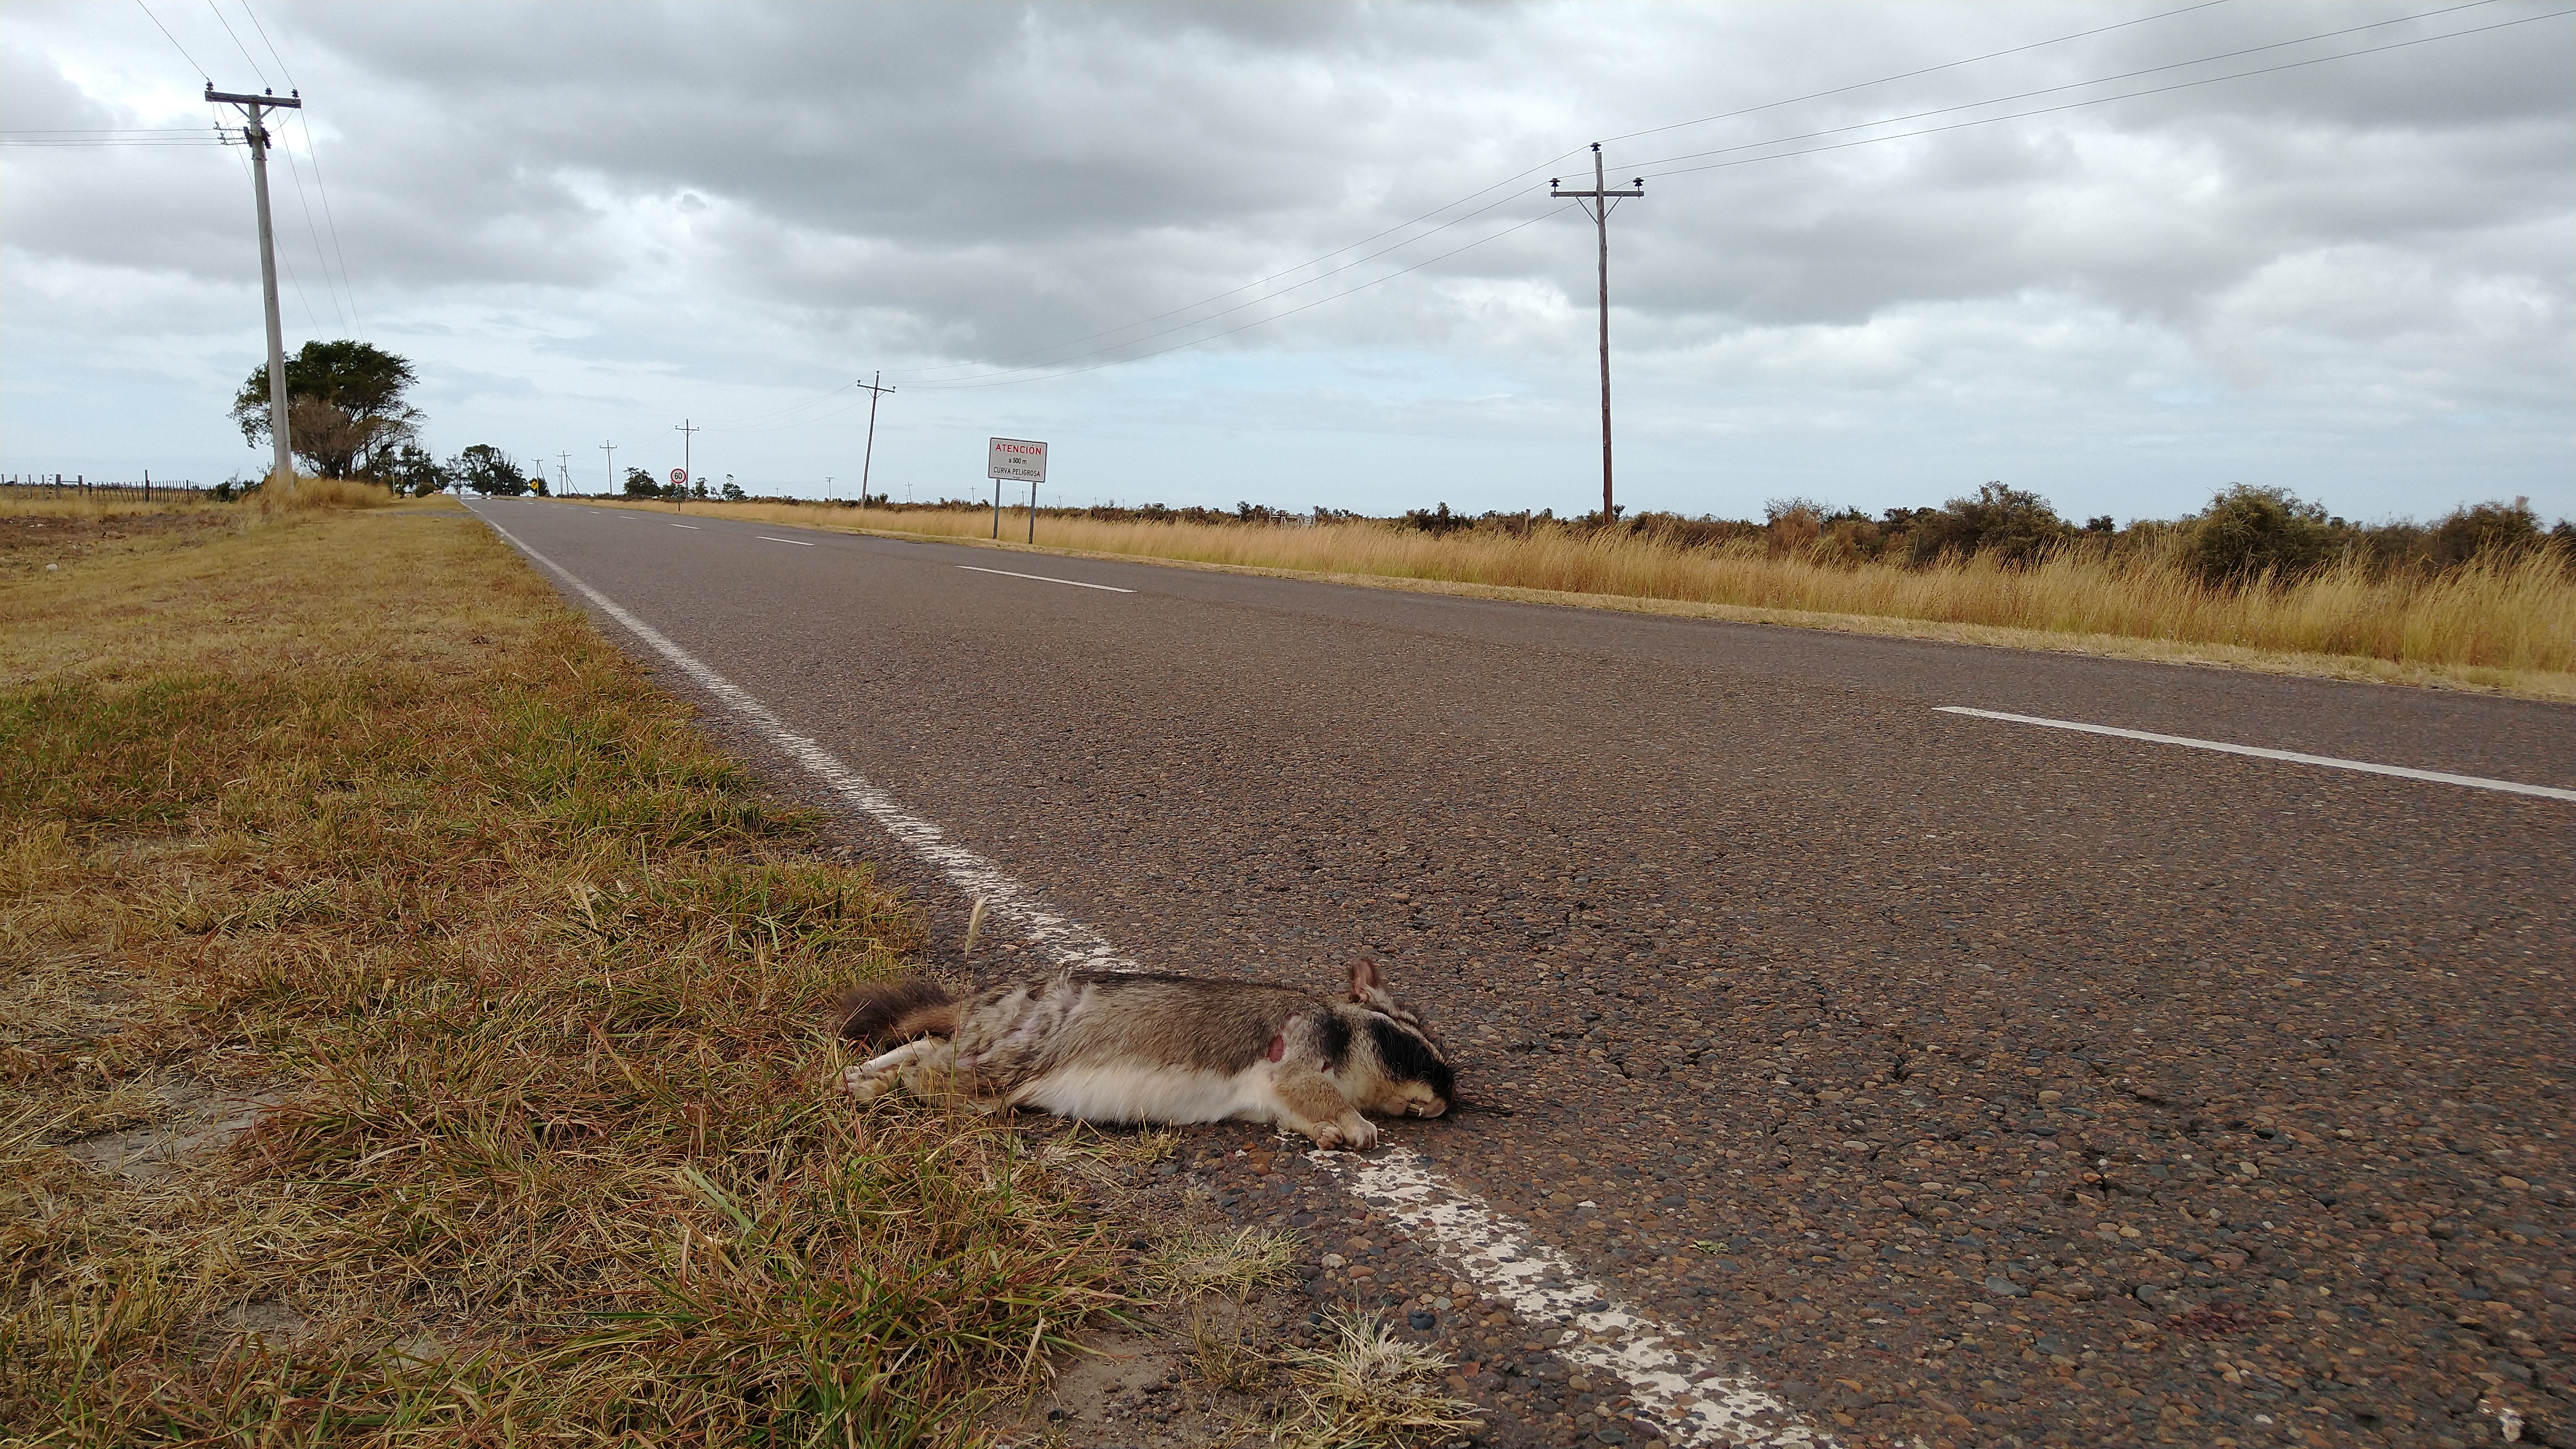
(357, 820)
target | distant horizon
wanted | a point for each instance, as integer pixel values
(11, 477)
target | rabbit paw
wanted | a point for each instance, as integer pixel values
(1352, 1131)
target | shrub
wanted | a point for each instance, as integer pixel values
(2008, 524)
(1440, 522)
(2247, 532)
(2485, 528)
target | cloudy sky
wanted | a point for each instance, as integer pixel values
(1304, 254)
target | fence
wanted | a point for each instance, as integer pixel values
(55, 485)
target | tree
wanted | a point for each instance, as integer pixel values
(2013, 524)
(2247, 532)
(345, 407)
(486, 469)
(2487, 528)
(732, 491)
(640, 484)
(413, 470)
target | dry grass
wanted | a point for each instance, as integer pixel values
(349, 814)
(1368, 1388)
(305, 495)
(2508, 625)
(1234, 1263)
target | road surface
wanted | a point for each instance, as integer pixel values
(1952, 1078)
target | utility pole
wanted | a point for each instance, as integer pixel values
(868, 459)
(611, 449)
(1601, 197)
(563, 468)
(688, 435)
(255, 135)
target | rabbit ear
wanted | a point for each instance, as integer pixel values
(1367, 988)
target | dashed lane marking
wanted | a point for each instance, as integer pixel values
(1692, 1399)
(1041, 578)
(693, 528)
(2474, 782)
(800, 543)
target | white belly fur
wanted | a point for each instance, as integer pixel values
(1154, 1094)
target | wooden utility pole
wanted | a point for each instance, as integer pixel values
(1600, 198)
(688, 435)
(255, 135)
(611, 450)
(868, 459)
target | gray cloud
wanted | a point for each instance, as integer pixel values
(577, 213)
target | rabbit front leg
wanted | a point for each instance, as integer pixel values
(915, 1065)
(1312, 1103)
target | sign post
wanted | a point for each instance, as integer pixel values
(1021, 461)
(679, 489)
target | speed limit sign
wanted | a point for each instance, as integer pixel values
(679, 476)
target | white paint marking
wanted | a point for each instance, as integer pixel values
(800, 543)
(1060, 938)
(1535, 1281)
(1041, 578)
(690, 526)
(1695, 1401)
(2474, 782)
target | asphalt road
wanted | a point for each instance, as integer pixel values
(1968, 1081)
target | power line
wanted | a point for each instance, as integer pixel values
(303, 202)
(174, 40)
(306, 205)
(2104, 100)
(174, 137)
(2071, 85)
(237, 45)
(1927, 70)
(924, 374)
(1002, 378)
(312, 157)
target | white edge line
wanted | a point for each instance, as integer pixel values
(2474, 782)
(1058, 937)
(799, 542)
(1041, 578)
(1700, 1403)
(1695, 1401)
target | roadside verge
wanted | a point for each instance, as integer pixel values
(410, 1025)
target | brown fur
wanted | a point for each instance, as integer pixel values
(890, 1012)
(1128, 1046)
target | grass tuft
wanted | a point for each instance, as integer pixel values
(1234, 1263)
(1370, 1388)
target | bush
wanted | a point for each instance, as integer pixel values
(2486, 528)
(2248, 532)
(1440, 522)
(2008, 523)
